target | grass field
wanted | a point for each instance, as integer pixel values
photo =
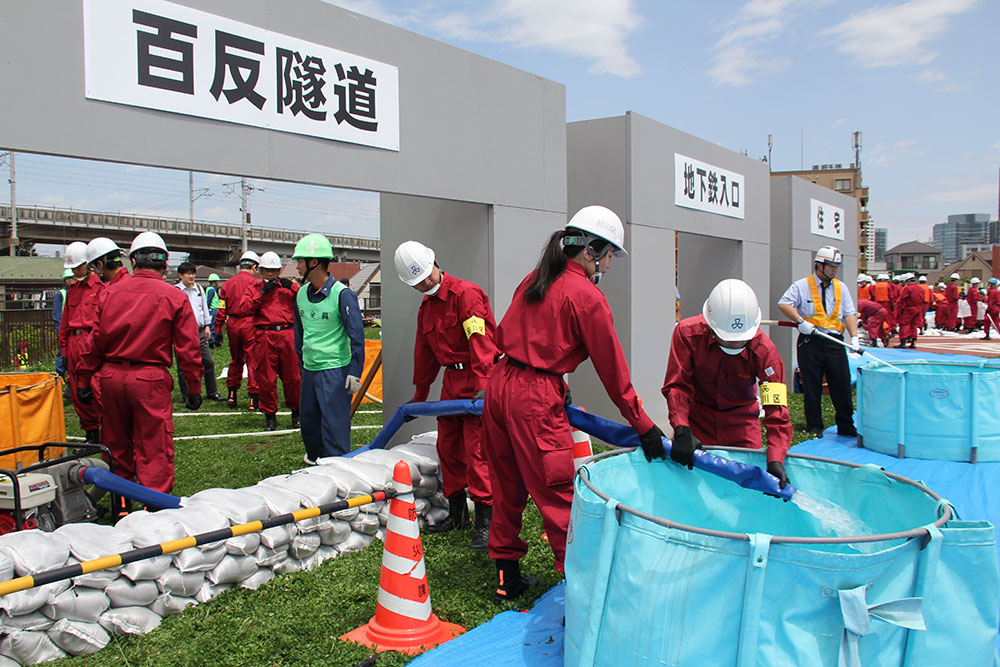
(296, 619)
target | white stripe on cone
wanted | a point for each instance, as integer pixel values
(409, 608)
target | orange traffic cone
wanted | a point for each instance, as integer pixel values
(582, 447)
(403, 619)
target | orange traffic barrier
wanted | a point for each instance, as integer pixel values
(403, 619)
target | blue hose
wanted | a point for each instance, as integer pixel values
(613, 433)
(103, 479)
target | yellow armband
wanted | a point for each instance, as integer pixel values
(474, 325)
(773, 393)
(222, 304)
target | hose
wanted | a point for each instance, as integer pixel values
(110, 482)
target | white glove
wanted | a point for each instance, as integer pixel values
(855, 347)
(805, 328)
(353, 384)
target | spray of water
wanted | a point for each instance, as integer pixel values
(838, 521)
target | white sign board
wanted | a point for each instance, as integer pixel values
(158, 55)
(707, 188)
(827, 220)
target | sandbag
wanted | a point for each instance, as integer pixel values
(194, 560)
(315, 489)
(210, 590)
(365, 523)
(232, 569)
(348, 483)
(171, 605)
(267, 557)
(427, 460)
(29, 647)
(355, 542)
(257, 579)
(77, 604)
(98, 580)
(388, 458)
(238, 505)
(124, 593)
(6, 567)
(317, 557)
(201, 518)
(36, 620)
(33, 599)
(438, 500)
(304, 546)
(8, 662)
(181, 584)
(280, 500)
(424, 441)
(376, 476)
(346, 514)
(130, 621)
(276, 537)
(78, 638)
(243, 545)
(335, 534)
(88, 541)
(436, 516)
(149, 528)
(150, 568)
(33, 551)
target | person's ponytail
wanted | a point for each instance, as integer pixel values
(551, 265)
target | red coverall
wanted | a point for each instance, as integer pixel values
(234, 296)
(716, 393)
(972, 297)
(940, 308)
(529, 445)
(79, 318)
(140, 323)
(872, 317)
(882, 295)
(992, 309)
(911, 305)
(122, 274)
(895, 309)
(951, 301)
(455, 329)
(273, 353)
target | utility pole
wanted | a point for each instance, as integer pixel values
(770, 145)
(194, 195)
(13, 207)
(243, 211)
(856, 144)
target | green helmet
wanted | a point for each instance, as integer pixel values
(67, 273)
(214, 277)
(313, 245)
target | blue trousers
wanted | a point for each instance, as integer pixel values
(60, 363)
(325, 413)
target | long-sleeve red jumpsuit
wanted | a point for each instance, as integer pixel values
(78, 320)
(140, 323)
(882, 295)
(273, 353)
(716, 393)
(529, 444)
(895, 310)
(972, 297)
(872, 317)
(235, 295)
(951, 299)
(992, 309)
(911, 308)
(455, 329)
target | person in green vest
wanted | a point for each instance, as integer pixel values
(330, 344)
(58, 305)
(212, 296)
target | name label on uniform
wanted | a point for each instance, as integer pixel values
(474, 325)
(773, 393)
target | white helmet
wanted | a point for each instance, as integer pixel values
(76, 254)
(975, 281)
(940, 285)
(147, 240)
(862, 278)
(731, 310)
(414, 262)
(923, 279)
(600, 222)
(269, 260)
(249, 256)
(100, 247)
(883, 276)
(828, 254)
(955, 276)
(897, 278)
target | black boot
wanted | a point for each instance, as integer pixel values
(231, 401)
(902, 342)
(93, 436)
(458, 515)
(295, 419)
(913, 343)
(254, 403)
(512, 582)
(270, 421)
(481, 532)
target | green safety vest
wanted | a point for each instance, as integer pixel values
(63, 292)
(325, 343)
(213, 301)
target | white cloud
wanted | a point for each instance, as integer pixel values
(840, 121)
(739, 53)
(883, 154)
(592, 30)
(970, 196)
(939, 79)
(898, 34)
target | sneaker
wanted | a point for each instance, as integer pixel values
(308, 461)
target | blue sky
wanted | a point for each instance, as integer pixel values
(919, 79)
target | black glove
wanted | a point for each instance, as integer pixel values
(192, 401)
(286, 283)
(409, 418)
(479, 395)
(652, 444)
(85, 394)
(778, 470)
(682, 450)
(269, 286)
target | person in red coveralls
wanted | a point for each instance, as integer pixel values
(79, 316)
(928, 300)
(992, 306)
(939, 306)
(556, 320)
(716, 361)
(105, 259)
(951, 302)
(973, 296)
(911, 309)
(234, 306)
(455, 329)
(881, 293)
(872, 317)
(273, 309)
(141, 323)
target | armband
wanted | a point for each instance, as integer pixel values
(773, 393)
(474, 325)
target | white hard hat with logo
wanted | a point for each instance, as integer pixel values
(732, 311)
(249, 256)
(76, 254)
(414, 262)
(269, 260)
(100, 247)
(600, 222)
(829, 254)
(146, 240)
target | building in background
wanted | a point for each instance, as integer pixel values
(846, 180)
(965, 229)
(881, 243)
(973, 266)
(913, 256)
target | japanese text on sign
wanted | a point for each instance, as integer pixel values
(158, 55)
(827, 220)
(707, 188)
